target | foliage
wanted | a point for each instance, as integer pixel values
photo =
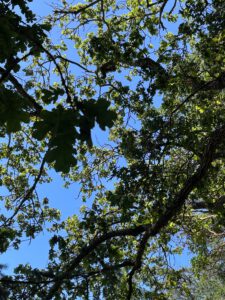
(151, 73)
(206, 277)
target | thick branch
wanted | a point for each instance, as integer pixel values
(207, 157)
(7, 71)
(21, 91)
(125, 263)
(217, 205)
(138, 262)
(215, 84)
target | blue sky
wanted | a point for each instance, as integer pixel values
(66, 200)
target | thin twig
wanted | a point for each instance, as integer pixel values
(29, 192)
(82, 9)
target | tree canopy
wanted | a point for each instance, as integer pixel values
(152, 75)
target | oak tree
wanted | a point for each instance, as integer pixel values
(150, 73)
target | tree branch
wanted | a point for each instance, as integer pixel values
(6, 72)
(76, 12)
(216, 84)
(138, 262)
(74, 63)
(21, 91)
(28, 194)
